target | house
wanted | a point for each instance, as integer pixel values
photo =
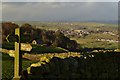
(37, 42)
(34, 42)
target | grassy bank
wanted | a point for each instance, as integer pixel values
(7, 66)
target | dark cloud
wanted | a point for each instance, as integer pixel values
(60, 11)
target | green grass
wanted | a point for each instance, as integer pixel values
(101, 36)
(47, 49)
(90, 41)
(7, 66)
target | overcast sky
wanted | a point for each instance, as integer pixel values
(60, 0)
(59, 11)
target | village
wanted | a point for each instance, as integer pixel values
(83, 33)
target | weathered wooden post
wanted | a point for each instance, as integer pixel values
(18, 57)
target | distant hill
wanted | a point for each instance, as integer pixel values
(106, 22)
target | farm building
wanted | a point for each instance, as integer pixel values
(36, 42)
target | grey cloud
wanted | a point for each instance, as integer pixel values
(56, 11)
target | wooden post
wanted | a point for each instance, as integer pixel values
(18, 57)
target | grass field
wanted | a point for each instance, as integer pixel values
(91, 41)
(47, 49)
(7, 66)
